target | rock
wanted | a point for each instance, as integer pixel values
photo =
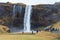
(42, 15)
(3, 29)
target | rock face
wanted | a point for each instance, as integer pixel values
(6, 14)
(42, 15)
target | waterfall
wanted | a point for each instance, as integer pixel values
(27, 15)
(19, 9)
(27, 25)
(13, 16)
(14, 11)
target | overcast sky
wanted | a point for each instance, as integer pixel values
(30, 2)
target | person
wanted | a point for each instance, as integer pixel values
(22, 32)
(8, 31)
(32, 32)
(52, 29)
(37, 31)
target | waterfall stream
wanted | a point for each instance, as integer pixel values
(27, 24)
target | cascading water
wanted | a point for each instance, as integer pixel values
(19, 9)
(15, 9)
(13, 16)
(27, 25)
(28, 10)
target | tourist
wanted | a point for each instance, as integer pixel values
(32, 32)
(8, 31)
(22, 32)
(37, 31)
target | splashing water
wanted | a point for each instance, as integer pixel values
(27, 25)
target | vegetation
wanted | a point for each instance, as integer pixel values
(49, 35)
(39, 36)
(56, 25)
(3, 29)
(42, 16)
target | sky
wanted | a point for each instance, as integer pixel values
(32, 2)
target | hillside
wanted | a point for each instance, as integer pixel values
(57, 25)
(42, 15)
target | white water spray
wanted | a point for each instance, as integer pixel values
(27, 25)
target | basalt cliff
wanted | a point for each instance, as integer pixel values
(42, 15)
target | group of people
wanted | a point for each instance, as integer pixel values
(51, 29)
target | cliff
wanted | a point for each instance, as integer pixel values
(42, 15)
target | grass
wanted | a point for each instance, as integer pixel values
(3, 29)
(19, 37)
(43, 35)
(39, 36)
(48, 35)
(56, 25)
